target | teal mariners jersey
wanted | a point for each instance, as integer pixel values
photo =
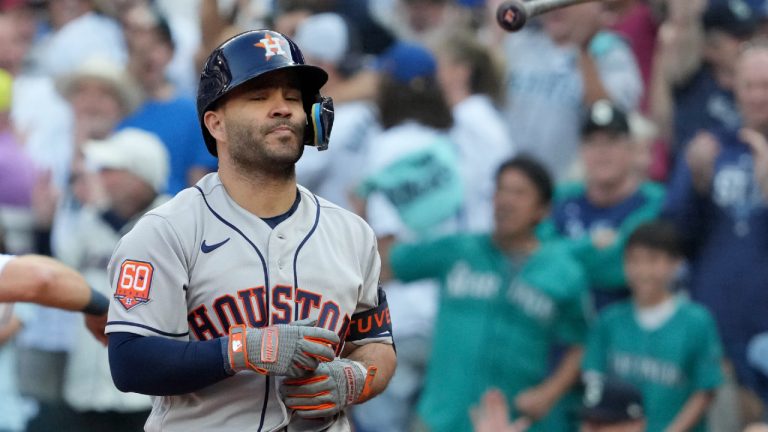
(495, 325)
(575, 220)
(667, 364)
(198, 264)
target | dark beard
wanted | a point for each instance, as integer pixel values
(250, 155)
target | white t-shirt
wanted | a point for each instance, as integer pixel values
(483, 142)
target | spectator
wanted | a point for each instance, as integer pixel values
(694, 77)
(508, 298)
(717, 199)
(635, 21)
(422, 21)
(596, 216)
(413, 190)
(555, 70)
(39, 116)
(77, 32)
(132, 170)
(334, 173)
(166, 113)
(100, 94)
(471, 83)
(664, 344)
(183, 20)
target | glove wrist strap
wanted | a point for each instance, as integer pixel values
(237, 349)
(366, 394)
(359, 384)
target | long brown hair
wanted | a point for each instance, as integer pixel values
(420, 100)
(485, 70)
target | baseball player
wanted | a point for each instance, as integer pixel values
(247, 303)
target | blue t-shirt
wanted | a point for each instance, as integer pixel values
(575, 220)
(175, 123)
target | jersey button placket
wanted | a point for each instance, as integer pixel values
(280, 261)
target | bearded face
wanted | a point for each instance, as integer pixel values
(273, 147)
(264, 123)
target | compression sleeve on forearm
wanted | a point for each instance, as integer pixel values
(158, 366)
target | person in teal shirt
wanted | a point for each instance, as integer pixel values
(664, 344)
(505, 300)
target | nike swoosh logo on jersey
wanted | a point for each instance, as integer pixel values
(210, 248)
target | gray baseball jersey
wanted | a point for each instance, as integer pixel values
(200, 263)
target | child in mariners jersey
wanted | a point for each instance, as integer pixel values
(665, 345)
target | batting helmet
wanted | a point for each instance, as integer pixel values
(251, 54)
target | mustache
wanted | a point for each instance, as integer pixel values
(297, 128)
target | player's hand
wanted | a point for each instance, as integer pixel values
(284, 350)
(701, 155)
(329, 389)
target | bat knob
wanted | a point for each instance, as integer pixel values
(511, 15)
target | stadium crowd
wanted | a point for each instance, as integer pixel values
(572, 218)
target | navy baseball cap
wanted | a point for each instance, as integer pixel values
(407, 61)
(611, 400)
(605, 116)
(735, 17)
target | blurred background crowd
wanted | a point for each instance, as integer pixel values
(637, 110)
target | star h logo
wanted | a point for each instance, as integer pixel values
(272, 46)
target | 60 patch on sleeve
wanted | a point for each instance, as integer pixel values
(134, 283)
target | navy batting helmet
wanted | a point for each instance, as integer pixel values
(252, 54)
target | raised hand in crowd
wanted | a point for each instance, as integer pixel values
(700, 156)
(492, 415)
(759, 147)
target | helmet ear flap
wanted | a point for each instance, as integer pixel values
(319, 123)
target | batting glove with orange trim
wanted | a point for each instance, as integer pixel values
(285, 349)
(329, 389)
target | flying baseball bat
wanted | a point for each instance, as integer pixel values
(512, 15)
